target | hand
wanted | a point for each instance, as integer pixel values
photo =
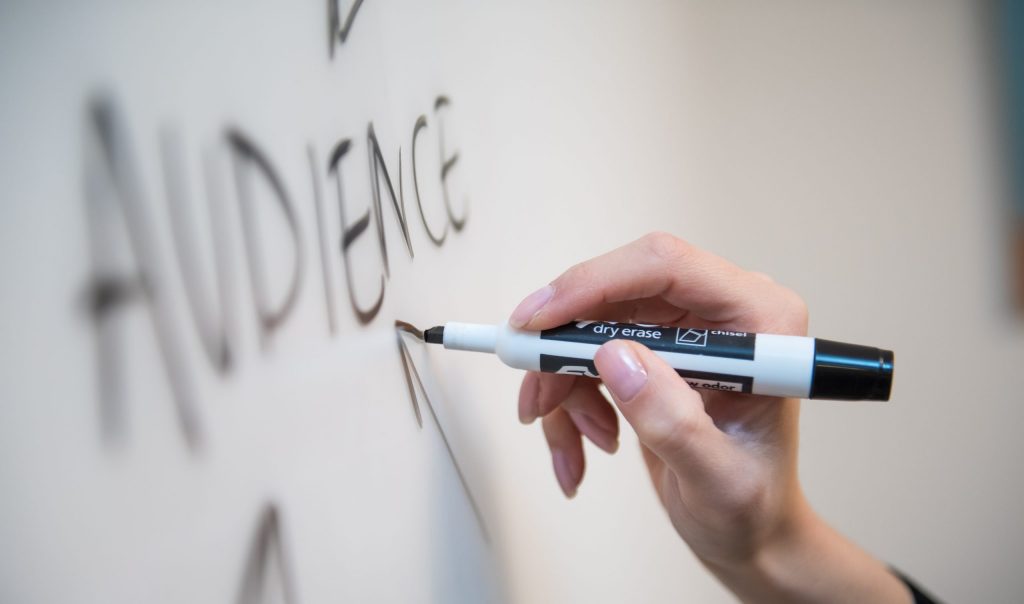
(724, 465)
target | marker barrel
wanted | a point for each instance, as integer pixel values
(732, 361)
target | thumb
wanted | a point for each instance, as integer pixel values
(667, 415)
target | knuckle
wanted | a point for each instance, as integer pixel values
(744, 505)
(575, 276)
(552, 390)
(798, 311)
(750, 498)
(665, 433)
(665, 246)
(549, 428)
(802, 312)
(780, 308)
(750, 495)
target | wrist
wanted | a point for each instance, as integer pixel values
(806, 560)
(764, 575)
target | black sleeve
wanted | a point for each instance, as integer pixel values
(920, 597)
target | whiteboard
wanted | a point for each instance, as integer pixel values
(215, 215)
(213, 404)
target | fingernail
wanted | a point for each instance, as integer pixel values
(621, 370)
(530, 306)
(600, 436)
(563, 471)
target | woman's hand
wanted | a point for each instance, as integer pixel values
(724, 465)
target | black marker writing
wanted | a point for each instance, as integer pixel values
(267, 544)
(337, 33)
(349, 234)
(318, 205)
(447, 165)
(123, 275)
(421, 124)
(377, 168)
(212, 331)
(412, 381)
(113, 190)
(247, 159)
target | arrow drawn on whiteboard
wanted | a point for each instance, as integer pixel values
(266, 546)
(412, 379)
(336, 30)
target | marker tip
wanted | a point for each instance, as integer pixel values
(434, 335)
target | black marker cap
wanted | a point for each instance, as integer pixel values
(848, 372)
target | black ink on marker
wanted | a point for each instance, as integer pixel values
(698, 379)
(712, 342)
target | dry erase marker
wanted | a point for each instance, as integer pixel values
(734, 361)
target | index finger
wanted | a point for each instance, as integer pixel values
(656, 265)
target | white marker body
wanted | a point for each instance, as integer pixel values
(781, 365)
